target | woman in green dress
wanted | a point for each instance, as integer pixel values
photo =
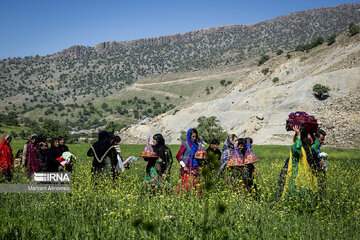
(301, 181)
(158, 170)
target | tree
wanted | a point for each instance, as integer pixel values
(263, 59)
(104, 106)
(265, 71)
(321, 92)
(208, 129)
(207, 89)
(52, 129)
(306, 47)
(10, 119)
(275, 80)
(113, 126)
(354, 29)
(331, 39)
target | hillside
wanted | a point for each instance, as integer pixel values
(135, 81)
(255, 105)
(73, 85)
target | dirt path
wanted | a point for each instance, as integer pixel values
(136, 88)
(191, 79)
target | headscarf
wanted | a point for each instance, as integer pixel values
(228, 143)
(103, 144)
(194, 148)
(5, 155)
(54, 152)
(160, 147)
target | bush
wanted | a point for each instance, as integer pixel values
(318, 41)
(263, 59)
(113, 126)
(331, 39)
(275, 80)
(265, 71)
(279, 52)
(225, 83)
(320, 91)
(51, 129)
(288, 56)
(354, 29)
(104, 106)
(207, 89)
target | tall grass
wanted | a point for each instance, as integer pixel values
(125, 211)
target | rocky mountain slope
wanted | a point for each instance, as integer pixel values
(81, 74)
(256, 106)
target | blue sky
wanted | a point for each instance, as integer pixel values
(31, 27)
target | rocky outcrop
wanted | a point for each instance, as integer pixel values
(282, 32)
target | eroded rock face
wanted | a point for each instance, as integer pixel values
(260, 110)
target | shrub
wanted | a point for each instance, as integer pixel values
(263, 59)
(279, 52)
(354, 29)
(320, 91)
(331, 39)
(275, 79)
(113, 126)
(207, 89)
(318, 41)
(265, 71)
(104, 106)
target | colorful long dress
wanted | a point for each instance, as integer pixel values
(6, 160)
(33, 160)
(188, 180)
(233, 175)
(154, 180)
(300, 181)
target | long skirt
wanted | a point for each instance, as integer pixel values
(189, 183)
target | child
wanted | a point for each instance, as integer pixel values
(18, 163)
(122, 164)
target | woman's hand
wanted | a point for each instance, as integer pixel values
(186, 169)
(297, 131)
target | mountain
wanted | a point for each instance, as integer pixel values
(260, 98)
(87, 87)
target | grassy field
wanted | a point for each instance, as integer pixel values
(124, 211)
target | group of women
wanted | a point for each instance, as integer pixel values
(36, 156)
(194, 169)
(303, 172)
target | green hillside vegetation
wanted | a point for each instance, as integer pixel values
(72, 85)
